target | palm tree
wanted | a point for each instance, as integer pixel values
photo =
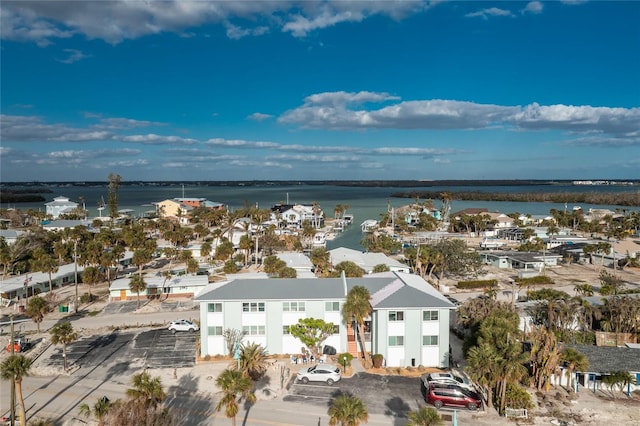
(63, 333)
(425, 416)
(100, 409)
(482, 366)
(137, 284)
(347, 410)
(358, 308)
(147, 390)
(44, 262)
(16, 367)
(234, 385)
(253, 360)
(575, 361)
(36, 309)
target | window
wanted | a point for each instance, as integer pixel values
(293, 306)
(429, 340)
(253, 307)
(214, 331)
(336, 329)
(253, 330)
(214, 307)
(396, 340)
(396, 316)
(332, 306)
(286, 329)
(429, 315)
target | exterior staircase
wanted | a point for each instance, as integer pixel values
(352, 344)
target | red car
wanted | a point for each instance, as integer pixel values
(440, 395)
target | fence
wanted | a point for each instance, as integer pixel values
(518, 413)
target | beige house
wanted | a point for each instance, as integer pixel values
(174, 208)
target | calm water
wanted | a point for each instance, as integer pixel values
(364, 203)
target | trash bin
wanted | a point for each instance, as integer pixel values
(63, 308)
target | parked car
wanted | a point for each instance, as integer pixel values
(439, 395)
(454, 378)
(320, 373)
(183, 325)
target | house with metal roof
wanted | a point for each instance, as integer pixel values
(409, 325)
(366, 261)
(60, 206)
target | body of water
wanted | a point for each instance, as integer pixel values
(364, 203)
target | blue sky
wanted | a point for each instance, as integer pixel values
(272, 90)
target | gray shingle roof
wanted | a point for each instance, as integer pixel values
(407, 294)
(608, 359)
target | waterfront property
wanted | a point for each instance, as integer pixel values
(59, 206)
(409, 325)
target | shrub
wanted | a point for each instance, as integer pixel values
(344, 359)
(477, 284)
(377, 360)
(539, 279)
(517, 397)
(87, 298)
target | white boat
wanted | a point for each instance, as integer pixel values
(348, 218)
(369, 225)
(319, 240)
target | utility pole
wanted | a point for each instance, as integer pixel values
(13, 377)
(75, 267)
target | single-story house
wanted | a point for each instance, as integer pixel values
(520, 260)
(157, 286)
(17, 287)
(10, 235)
(366, 261)
(409, 325)
(605, 360)
(298, 261)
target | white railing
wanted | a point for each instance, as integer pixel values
(518, 413)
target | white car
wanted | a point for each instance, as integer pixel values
(183, 325)
(449, 378)
(320, 373)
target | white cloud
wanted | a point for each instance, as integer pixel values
(124, 123)
(489, 12)
(118, 20)
(239, 143)
(153, 139)
(258, 116)
(334, 112)
(534, 7)
(315, 158)
(73, 55)
(31, 128)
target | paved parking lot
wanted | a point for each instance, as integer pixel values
(387, 395)
(158, 348)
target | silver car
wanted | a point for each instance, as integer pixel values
(320, 373)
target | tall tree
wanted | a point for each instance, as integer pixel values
(16, 367)
(37, 308)
(64, 334)
(357, 308)
(147, 390)
(112, 202)
(233, 385)
(43, 261)
(575, 361)
(347, 410)
(137, 284)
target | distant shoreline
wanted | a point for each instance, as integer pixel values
(353, 183)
